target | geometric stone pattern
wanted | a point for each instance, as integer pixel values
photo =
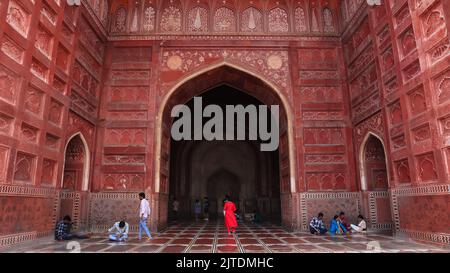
(380, 210)
(106, 207)
(100, 71)
(213, 238)
(329, 204)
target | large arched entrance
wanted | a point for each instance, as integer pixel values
(214, 169)
(251, 85)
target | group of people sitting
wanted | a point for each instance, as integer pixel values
(118, 232)
(63, 231)
(338, 225)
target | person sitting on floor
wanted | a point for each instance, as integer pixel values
(361, 227)
(62, 230)
(343, 220)
(119, 232)
(257, 218)
(316, 226)
(336, 227)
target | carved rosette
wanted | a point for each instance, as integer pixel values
(271, 64)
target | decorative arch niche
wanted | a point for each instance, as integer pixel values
(76, 164)
(373, 164)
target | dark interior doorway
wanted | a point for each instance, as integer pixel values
(214, 169)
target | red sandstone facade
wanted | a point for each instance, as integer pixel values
(86, 92)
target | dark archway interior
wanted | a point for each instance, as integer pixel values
(218, 168)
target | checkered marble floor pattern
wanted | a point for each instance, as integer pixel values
(213, 238)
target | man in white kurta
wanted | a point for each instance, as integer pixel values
(144, 213)
(119, 231)
(361, 227)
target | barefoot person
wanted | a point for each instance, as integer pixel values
(316, 226)
(336, 227)
(343, 220)
(119, 232)
(230, 218)
(144, 213)
(63, 228)
(361, 227)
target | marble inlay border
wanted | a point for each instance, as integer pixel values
(442, 238)
(15, 190)
(13, 239)
(115, 195)
(373, 196)
(330, 195)
(304, 197)
(422, 190)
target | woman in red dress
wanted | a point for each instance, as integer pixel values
(228, 212)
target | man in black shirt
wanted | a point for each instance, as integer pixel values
(62, 230)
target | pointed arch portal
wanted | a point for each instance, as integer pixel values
(242, 81)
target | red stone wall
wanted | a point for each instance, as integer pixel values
(424, 213)
(397, 57)
(50, 75)
(124, 139)
(322, 128)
